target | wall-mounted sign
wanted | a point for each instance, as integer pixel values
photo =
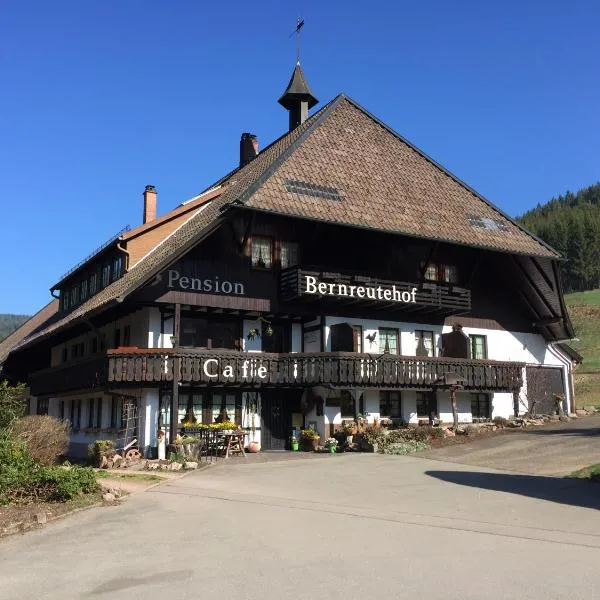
(386, 292)
(214, 286)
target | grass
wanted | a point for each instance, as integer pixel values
(584, 308)
(134, 476)
(591, 473)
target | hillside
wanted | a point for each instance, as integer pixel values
(571, 225)
(8, 323)
(584, 308)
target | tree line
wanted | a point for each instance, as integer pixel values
(570, 223)
(8, 323)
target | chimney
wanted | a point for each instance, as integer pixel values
(248, 148)
(149, 203)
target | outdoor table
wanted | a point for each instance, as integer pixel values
(233, 444)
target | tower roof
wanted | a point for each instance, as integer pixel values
(297, 90)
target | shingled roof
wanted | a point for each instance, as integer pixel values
(342, 166)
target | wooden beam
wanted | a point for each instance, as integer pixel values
(175, 387)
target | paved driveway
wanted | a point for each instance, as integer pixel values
(336, 527)
(550, 450)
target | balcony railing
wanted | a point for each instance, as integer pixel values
(230, 368)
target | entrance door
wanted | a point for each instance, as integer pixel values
(276, 420)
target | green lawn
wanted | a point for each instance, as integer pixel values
(584, 308)
(139, 476)
(592, 473)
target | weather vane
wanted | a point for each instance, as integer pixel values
(299, 26)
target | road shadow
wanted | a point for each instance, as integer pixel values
(563, 491)
(587, 432)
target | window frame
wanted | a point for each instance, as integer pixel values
(387, 394)
(479, 398)
(396, 332)
(419, 333)
(347, 399)
(424, 396)
(270, 241)
(472, 339)
(286, 244)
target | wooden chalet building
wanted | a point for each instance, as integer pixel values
(339, 271)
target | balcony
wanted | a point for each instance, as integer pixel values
(298, 283)
(128, 366)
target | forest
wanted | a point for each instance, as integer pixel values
(8, 323)
(571, 225)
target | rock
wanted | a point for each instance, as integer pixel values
(109, 463)
(152, 466)
(581, 412)
(448, 433)
(41, 518)
(117, 461)
(175, 466)
(190, 465)
(564, 418)
(108, 497)
(103, 463)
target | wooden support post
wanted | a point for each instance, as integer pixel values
(454, 409)
(175, 390)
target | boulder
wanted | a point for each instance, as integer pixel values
(190, 465)
(175, 466)
(448, 433)
(581, 412)
(108, 497)
(117, 461)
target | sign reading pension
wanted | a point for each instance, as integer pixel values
(214, 285)
(388, 292)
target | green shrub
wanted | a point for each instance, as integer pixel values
(61, 484)
(13, 403)
(46, 438)
(405, 448)
(98, 449)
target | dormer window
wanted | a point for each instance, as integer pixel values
(93, 283)
(262, 252)
(84, 290)
(117, 267)
(74, 295)
(105, 275)
(440, 272)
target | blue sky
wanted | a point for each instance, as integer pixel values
(101, 98)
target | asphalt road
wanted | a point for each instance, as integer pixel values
(549, 450)
(340, 526)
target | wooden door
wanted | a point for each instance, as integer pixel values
(276, 420)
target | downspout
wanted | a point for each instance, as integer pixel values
(125, 252)
(52, 290)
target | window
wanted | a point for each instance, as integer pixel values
(426, 404)
(223, 407)
(481, 406)
(276, 337)
(388, 341)
(65, 300)
(74, 295)
(347, 405)
(390, 405)
(117, 267)
(105, 275)
(42, 406)
(478, 346)
(93, 283)
(116, 410)
(448, 273)
(440, 272)
(102, 342)
(431, 273)
(84, 289)
(61, 410)
(117, 338)
(98, 412)
(127, 335)
(425, 346)
(91, 412)
(64, 355)
(76, 414)
(94, 345)
(288, 255)
(77, 350)
(201, 333)
(262, 252)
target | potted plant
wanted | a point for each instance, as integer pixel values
(351, 429)
(294, 444)
(310, 439)
(331, 445)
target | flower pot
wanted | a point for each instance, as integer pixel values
(295, 446)
(349, 438)
(253, 447)
(331, 449)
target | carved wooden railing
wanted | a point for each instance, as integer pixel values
(230, 368)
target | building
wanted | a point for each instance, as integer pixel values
(339, 271)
